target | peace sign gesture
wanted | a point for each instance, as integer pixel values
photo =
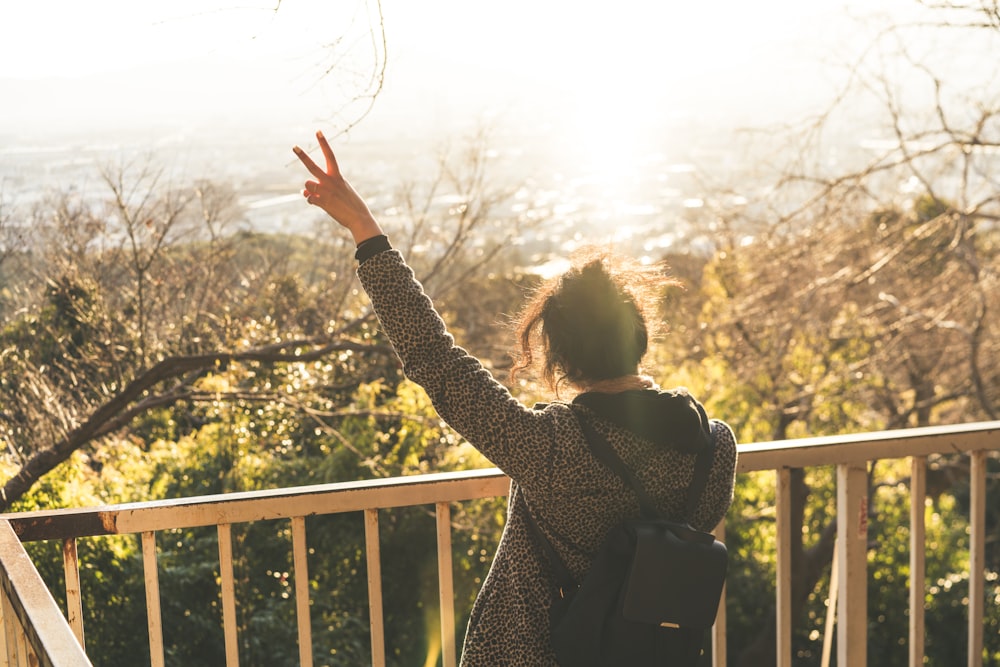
(332, 193)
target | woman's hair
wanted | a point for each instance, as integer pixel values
(590, 323)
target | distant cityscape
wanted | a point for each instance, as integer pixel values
(648, 203)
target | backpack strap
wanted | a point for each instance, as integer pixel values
(603, 451)
(564, 578)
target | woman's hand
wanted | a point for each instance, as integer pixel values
(332, 193)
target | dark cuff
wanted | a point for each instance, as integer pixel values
(371, 247)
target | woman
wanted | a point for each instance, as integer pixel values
(593, 336)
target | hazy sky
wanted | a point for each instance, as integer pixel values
(84, 63)
(74, 38)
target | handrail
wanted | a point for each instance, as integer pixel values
(857, 448)
(245, 506)
(285, 503)
(850, 455)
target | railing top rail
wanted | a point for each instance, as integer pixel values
(261, 505)
(864, 447)
(464, 485)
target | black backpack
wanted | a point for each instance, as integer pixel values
(653, 589)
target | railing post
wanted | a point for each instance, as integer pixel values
(977, 555)
(852, 562)
(3, 624)
(24, 653)
(228, 594)
(151, 576)
(301, 573)
(831, 612)
(446, 588)
(374, 556)
(783, 567)
(10, 626)
(918, 557)
(74, 596)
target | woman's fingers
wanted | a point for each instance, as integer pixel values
(313, 168)
(311, 191)
(331, 162)
(332, 169)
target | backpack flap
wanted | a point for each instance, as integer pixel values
(676, 576)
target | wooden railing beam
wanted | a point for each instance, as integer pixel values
(376, 616)
(977, 555)
(74, 595)
(446, 586)
(783, 568)
(918, 557)
(228, 593)
(852, 563)
(151, 579)
(301, 573)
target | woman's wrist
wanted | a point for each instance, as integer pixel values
(366, 230)
(371, 247)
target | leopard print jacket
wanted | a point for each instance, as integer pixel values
(574, 498)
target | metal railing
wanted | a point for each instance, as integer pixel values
(33, 635)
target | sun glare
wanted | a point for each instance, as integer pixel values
(616, 78)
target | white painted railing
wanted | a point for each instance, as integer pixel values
(27, 613)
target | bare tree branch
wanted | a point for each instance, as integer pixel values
(134, 399)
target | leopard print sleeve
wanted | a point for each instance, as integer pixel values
(718, 493)
(515, 438)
